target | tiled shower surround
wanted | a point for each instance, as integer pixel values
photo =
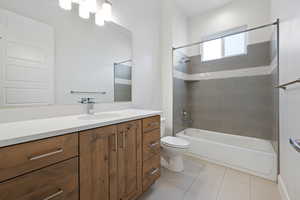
(243, 106)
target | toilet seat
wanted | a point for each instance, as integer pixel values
(175, 142)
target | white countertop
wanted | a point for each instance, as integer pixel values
(24, 131)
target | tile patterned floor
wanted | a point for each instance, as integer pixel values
(206, 181)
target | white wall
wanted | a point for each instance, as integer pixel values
(89, 54)
(289, 70)
(235, 14)
(143, 19)
(166, 62)
(179, 27)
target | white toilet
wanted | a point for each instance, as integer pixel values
(173, 148)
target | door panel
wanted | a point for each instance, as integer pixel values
(98, 164)
(27, 61)
(129, 160)
(288, 12)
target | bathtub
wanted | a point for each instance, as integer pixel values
(250, 155)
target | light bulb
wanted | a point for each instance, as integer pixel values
(65, 4)
(76, 1)
(92, 6)
(107, 10)
(84, 11)
(99, 18)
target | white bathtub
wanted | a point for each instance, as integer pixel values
(251, 155)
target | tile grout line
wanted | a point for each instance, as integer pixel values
(250, 187)
(222, 183)
(187, 190)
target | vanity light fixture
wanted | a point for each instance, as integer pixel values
(93, 5)
(107, 10)
(65, 4)
(84, 11)
(101, 8)
(99, 18)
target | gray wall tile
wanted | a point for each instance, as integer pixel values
(180, 103)
(239, 106)
(246, 106)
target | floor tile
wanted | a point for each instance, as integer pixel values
(208, 184)
(193, 166)
(180, 180)
(235, 186)
(202, 180)
(163, 190)
(262, 189)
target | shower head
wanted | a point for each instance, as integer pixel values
(184, 60)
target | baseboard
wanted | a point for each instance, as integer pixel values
(282, 189)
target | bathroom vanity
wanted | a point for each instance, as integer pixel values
(106, 156)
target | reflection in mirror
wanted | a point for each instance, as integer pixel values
(123, 78)
(52, 56)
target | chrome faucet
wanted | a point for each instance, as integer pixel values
(89, 104)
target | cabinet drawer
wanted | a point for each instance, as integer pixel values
(151, 171)
(59, 182)
(151, 144)
(151, 123)
(20, 159)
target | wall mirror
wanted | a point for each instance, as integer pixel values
(52, 56)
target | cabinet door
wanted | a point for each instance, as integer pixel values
(129, 160)
(98, 164)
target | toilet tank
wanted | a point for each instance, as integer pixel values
(162, 127)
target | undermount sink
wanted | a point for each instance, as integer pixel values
(100, 116)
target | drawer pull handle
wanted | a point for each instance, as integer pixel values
(295, 144)
(46, 155)
(54, 195)
(116, 142)
(152, 145)
(154, 171)
(124, 140)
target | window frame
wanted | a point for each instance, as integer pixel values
(223, 33)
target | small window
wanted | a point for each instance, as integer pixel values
(228, 46)
(212, 50)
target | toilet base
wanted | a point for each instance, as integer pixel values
(174, 163)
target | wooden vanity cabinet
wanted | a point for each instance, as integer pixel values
(151, 151)
(39, 170)
(129, 160)
(98, 164)
(111, 162)
(22, 158)
(59, 182)
(117, 162)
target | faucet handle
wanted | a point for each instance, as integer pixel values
(91, 100)
(87, 100)
(83, 100)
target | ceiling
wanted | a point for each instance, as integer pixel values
(196, 7)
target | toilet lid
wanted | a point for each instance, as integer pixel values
(175, 142)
